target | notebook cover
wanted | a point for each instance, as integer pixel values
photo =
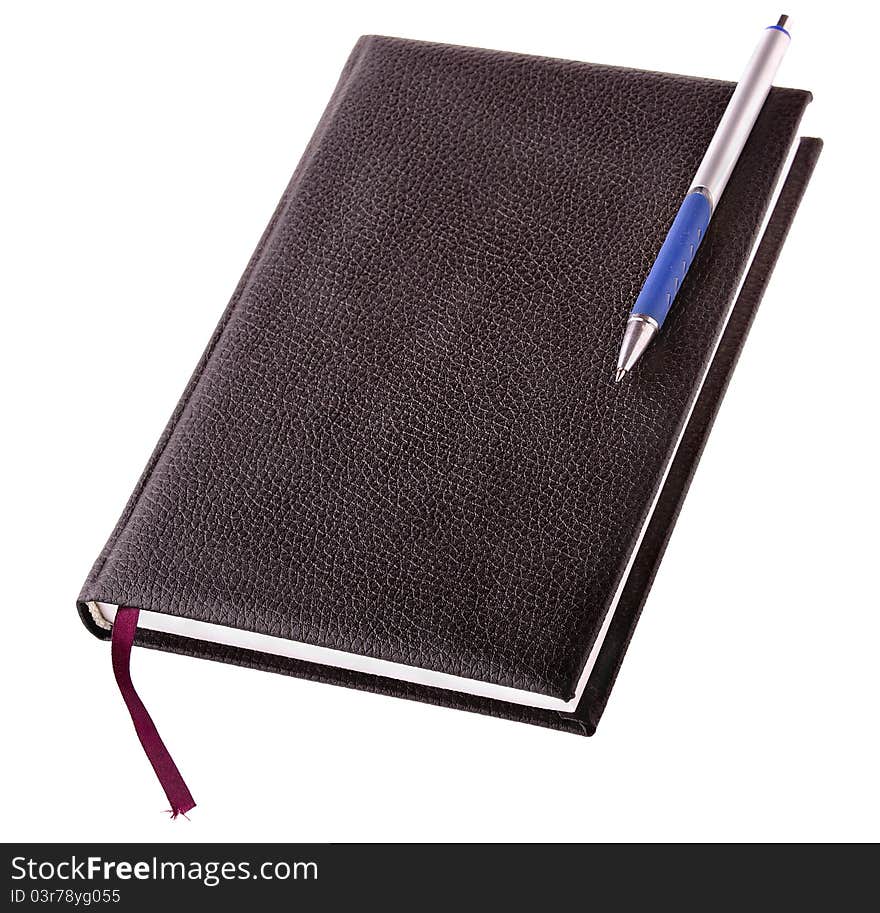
(404, 439)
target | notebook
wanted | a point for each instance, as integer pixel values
(402, 463)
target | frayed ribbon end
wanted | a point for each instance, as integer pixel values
(174, 812)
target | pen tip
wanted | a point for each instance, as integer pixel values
(621, 373)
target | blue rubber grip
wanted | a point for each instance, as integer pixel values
(675, 257)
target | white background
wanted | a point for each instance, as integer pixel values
(143, 150)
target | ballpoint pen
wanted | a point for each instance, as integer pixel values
(689, 226)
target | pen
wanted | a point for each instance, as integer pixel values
(689, 226)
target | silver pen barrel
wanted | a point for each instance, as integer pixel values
(741, 113)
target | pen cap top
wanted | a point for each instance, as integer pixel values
(781, 26)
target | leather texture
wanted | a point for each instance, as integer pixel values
(404, 439)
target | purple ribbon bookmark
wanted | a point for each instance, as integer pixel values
(124, 628)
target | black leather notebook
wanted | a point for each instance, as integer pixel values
(402, 463)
